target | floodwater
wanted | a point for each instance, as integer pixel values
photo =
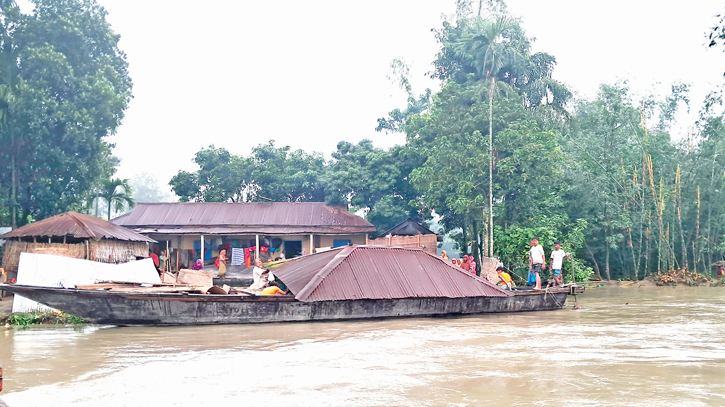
(645, 346)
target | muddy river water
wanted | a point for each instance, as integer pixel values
(644, 346)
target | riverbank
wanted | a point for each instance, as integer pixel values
(672, 278)
(40, 318)
(7, 318)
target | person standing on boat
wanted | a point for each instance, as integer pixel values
(221, 263)
(537, 261)
(557, 260)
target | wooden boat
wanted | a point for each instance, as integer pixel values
(353, 282)
(149, 308)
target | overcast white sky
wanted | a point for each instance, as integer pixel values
(310, 74)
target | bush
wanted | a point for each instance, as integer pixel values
(512, 245)
(36, 318)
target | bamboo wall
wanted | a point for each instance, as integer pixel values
(13, 248)
(117, 251)
(105, 251)
(428, 243)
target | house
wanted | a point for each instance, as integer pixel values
(264, 229)
(410, 233)
(75, 235)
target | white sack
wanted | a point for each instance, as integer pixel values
(45, 270)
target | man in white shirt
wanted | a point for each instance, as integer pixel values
(537, 261)
(557, 260)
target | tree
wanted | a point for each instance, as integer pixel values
(490, 55)
(270, 173)
(364, 177)
(146, 188)
(456, 177)
(68, 93)
(117, 194)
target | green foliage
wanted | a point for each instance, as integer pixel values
(365, 177)
(513, 245)
(117, 195)
(269, 174)
(64, 87)
(37, 318)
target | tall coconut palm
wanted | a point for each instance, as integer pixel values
(491, 51)
(117, 194)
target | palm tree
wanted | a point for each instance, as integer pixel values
(491, 51)
(116, 192)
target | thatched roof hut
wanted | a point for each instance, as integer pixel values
(75, 235)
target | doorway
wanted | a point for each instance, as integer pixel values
(292, 248)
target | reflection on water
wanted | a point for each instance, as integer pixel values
(626, 347)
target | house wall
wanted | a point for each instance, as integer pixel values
(105, 251)
(328, 241)
(428, 243)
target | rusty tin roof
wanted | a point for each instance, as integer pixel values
(379, 272)
(79, 226)
(255, 217)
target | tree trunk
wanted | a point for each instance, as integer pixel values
(109, 210)
(594, 260)
(490, 167)
(14, 184)
(696, 243)
(606, 255)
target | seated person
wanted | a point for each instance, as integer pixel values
(260, 276)
(505, 278)
(273, 290)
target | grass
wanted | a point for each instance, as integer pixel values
(41, 318)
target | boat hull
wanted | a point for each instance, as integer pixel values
(105, 307)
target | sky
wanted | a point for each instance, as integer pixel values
(311, 74)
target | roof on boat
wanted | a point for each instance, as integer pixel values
(243, 217)
(79, 226)
(379, 272)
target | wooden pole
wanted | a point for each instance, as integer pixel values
(202, 249)
(256, 248)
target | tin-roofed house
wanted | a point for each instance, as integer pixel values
(269, 230)
(75, 235)
(411, 234)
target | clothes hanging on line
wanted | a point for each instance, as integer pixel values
(237, 256)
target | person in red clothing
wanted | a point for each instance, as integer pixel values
(155, 258)
(466, 264)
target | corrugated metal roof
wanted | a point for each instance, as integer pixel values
(379, 272)
(408, 227)
(277, 214)
(79, 226)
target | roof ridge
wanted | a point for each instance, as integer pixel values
(320, 276)
(81, 223)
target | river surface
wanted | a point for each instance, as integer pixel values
(645, 346)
